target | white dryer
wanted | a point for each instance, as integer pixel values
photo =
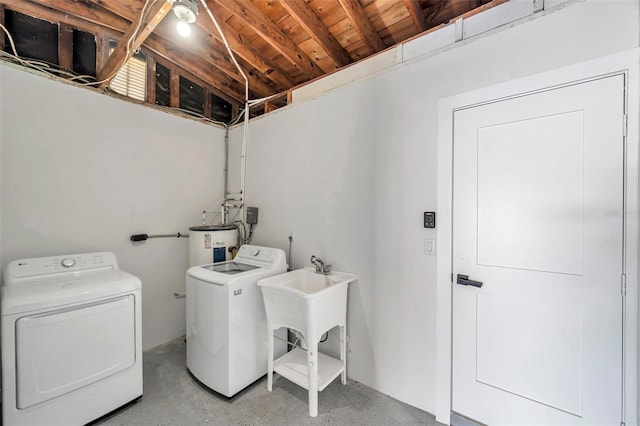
(226, 321)
(71, 345)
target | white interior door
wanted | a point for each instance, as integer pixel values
(537, 219)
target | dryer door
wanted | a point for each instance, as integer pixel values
(60, 351)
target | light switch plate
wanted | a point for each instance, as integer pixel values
(429, 246)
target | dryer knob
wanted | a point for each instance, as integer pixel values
(255, 252)
(68, 262)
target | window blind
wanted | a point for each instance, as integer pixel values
(131, 80)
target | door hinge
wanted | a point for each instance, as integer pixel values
(452, 277)
(623, 282)
(625, 125)
(622, 424)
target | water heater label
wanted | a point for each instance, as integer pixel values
(207, 240)
(219, 254)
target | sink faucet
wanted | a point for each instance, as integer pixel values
(321, 268)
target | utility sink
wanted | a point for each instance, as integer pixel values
(309, 302)
(308, 283)
(312, 304)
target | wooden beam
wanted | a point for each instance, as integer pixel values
(219, 60)
(2, 35)
(197, 67)
(302, 13)
(133, 39)
(174, 88)
(102, 49)
(261, 24)
(240, 48)
(208, 52)
(207, 103)
(56, 11)
(213, 88)
(417, 16)
(244, 50)
(151, 80)
(108, 25)
(431, 14)
(65, 46)
(235, 111)
(268, 107)
(362, 25)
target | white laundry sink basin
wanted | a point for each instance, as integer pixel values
(304, 300)
(312, 304)
(307, 283)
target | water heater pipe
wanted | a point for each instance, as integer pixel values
(246, 105)
(243, 162)
(226, 173)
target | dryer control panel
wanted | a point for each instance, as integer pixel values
(37, 268)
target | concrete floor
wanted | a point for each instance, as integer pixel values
(173, 397)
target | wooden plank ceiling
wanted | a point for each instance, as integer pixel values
(280, 44)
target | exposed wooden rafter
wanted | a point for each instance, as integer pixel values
(201, 69)
(2, 35)
(68, 13)
(206, 51)
(133, 38)
(215, 53)
(279, 44)
(316, 29)
(65, 42)
(244, 50)
(94, 19)
(272, 34)
(417, 16)
(362, 24)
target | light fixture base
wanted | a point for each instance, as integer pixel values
(186, 10)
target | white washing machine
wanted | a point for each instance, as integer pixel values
(226, 321)
(71, 345)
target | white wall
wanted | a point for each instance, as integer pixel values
(350, 173)
(81, 172)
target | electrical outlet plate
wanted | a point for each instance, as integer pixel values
(252, 215)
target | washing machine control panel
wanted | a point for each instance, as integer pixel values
(268, 255)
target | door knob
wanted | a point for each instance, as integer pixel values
(464, 280)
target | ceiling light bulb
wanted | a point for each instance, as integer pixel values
(186, 10)
(184, 29)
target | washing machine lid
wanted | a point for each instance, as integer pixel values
(230, 268)
(201, 273)
(251, 262)
(49, 282)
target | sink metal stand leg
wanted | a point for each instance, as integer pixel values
(270, 359)
(312, 363)
(343, 353)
